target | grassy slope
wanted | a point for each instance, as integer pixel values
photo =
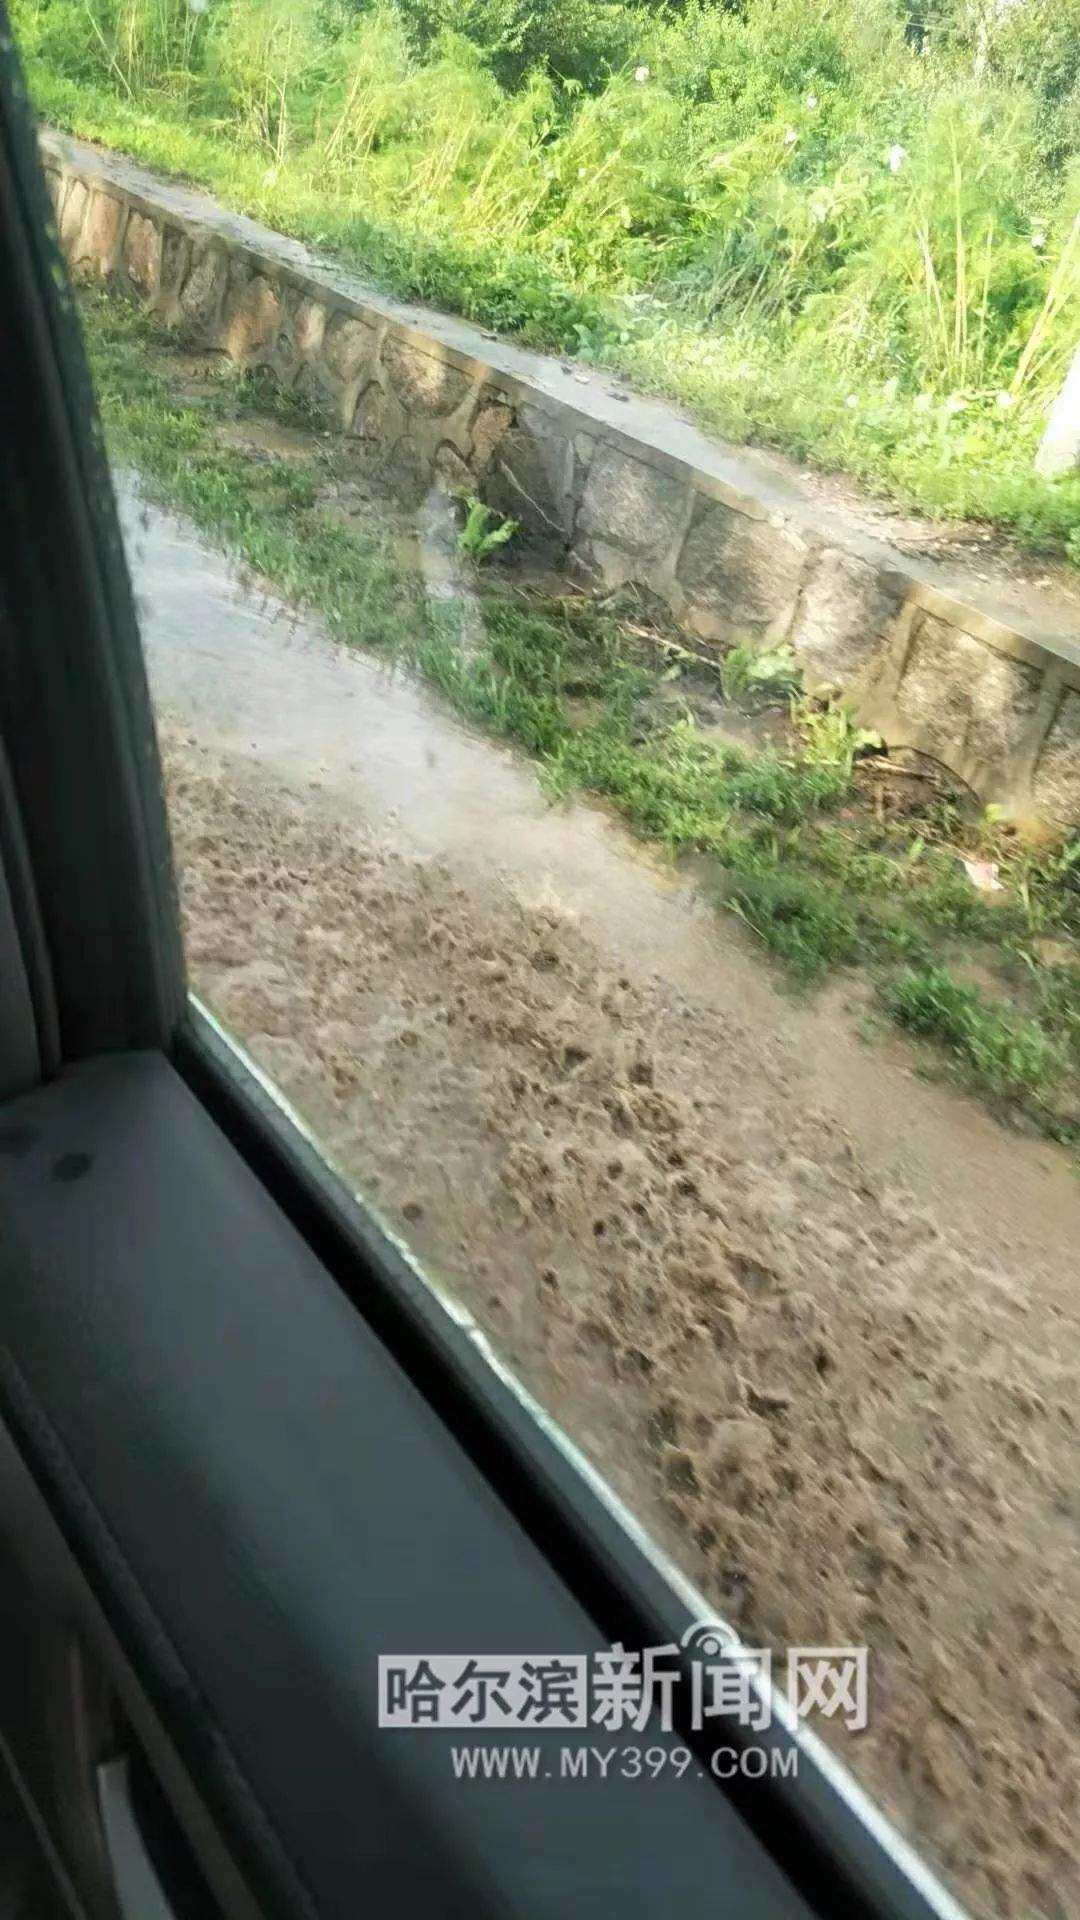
(781, 295)
(821, 874)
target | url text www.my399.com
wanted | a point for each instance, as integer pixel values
(513, 1762)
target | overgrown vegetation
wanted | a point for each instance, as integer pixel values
(803, 845)
(850, 228)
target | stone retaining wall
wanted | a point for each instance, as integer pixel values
(622, 494)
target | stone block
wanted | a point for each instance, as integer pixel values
(532, 475)
(741, 576)
(309, 328)
(282, 357)
(306, 384)
(423, 380)
(54, 181)
(845, 614)
(142, 256)
(347, 348)
(489, 429)
(204, 289)
(377, 417)
(450, 473)
(630, 504)
(600, 566)
(965, 703)
(98, 245)
(296, 350)
(72, 217)
(175, 250)
(1056, 784)
(252, 315)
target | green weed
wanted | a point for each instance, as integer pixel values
(805, 921)
(485, 531)
(830, 734)
(1057, 999)
(1006, 1053)
(772, 672)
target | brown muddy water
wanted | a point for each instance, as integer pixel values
(815, 1318)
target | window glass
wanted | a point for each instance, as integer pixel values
(612, 611)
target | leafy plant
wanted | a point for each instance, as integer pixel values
(769, 674)
(485, 531)
(830, 734)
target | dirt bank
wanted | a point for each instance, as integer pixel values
(847, 1417)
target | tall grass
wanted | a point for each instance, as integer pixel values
(819, 225)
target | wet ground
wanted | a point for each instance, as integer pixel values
(814, 1317)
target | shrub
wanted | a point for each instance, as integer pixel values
(1037, 46)
(580, 41)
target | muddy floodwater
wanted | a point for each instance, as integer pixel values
(814, 1317)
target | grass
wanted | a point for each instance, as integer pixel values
(819, 227)
(1006, 1052)
(822, 878)
(805, 921)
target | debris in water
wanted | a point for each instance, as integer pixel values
(983, 874)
